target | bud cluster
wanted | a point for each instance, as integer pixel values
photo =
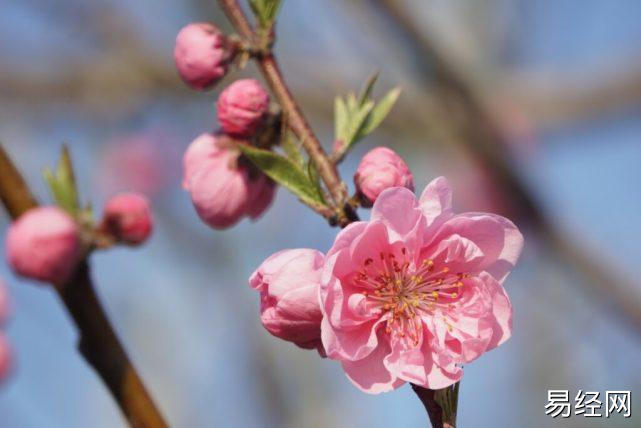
(46, 243)
(224, 186)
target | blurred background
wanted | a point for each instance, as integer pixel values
(531, 108)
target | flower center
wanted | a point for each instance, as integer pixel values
(403, 291)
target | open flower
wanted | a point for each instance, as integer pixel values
(417, 291)
(288, 283)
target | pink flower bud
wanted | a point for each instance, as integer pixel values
(223, 186)
(288, 283)
(242, 107)
(202, 54)
(381, 168)
(128, 218)
(44, 244)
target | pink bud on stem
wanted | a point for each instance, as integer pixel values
(127, 218)
(44, 244)
(223, 186)
(288, 282)
(380, 169)
(202, 54)
(242, 107)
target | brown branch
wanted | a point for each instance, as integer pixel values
(98, 342)
(441, 404)
(297, 122)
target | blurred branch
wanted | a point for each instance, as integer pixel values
(560, 98)
(548, 100)
(468, 117)
(98, 342)
(128, 68)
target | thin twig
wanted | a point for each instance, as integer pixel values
(297, 122)
(98, 342)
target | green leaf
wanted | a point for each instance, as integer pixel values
(265, 11)
(366, 93)
(312, 173)
(341, 117)
(62, 183)
(380, 111)
(352, 104)
(283, 171)
(356, 123)
(291, 148)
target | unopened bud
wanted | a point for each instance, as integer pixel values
(202, 54)
(380, 169)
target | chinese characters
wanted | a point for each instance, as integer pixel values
(588, 404)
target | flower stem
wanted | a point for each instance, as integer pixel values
(98, 342)
(441, 404)
(296, 119)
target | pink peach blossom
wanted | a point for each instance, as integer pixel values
(202, 54)
(242, 107)
(223, 186)
(288, 283)
(380, 169)
(44, 244)
(415, 292)
(127, 218)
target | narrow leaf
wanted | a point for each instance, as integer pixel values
(291, 148)
(312, 172)
(380, 111)
(256, 7)
(352, 104)
(356, 123)
(366, 92)
(340, 117)
(52, 183)
(265, 11)
(67, 180)
(62, 183)
(283, 171)
(271, 9)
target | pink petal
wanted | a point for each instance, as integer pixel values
(417, 365)
(397, 209)
(436, 199)
(496, 237)
(349, 344)
(458, 253)
(274, 263)
(371, 242)
(501, 319)
(346, 236)
(369, 374)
